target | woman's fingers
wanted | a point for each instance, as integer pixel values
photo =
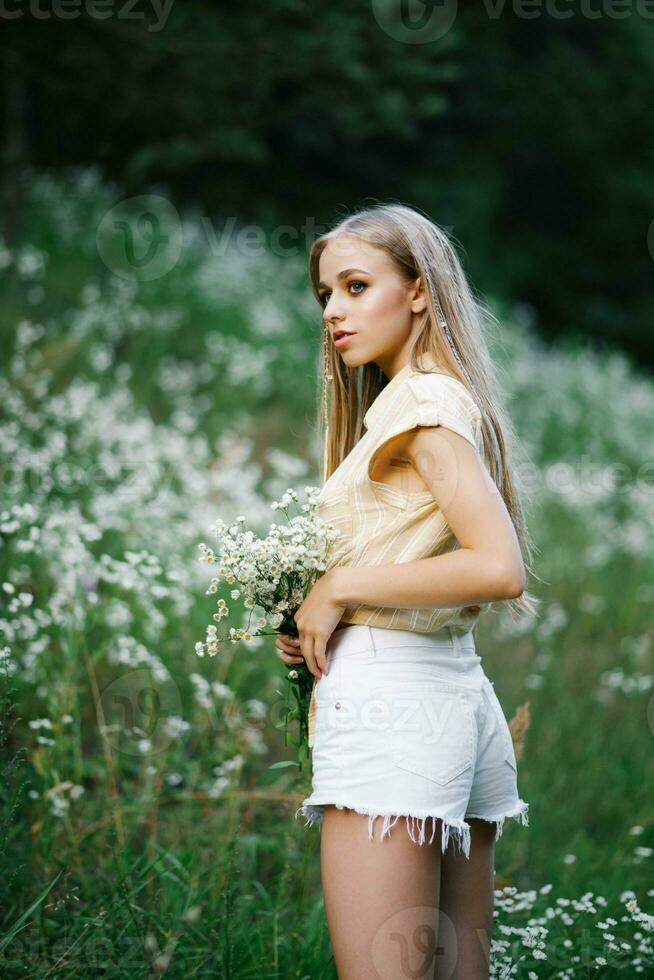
(288, 659)
(286, 644)
(320, 655)
(292, 651)
(289, 651)
(308, 654)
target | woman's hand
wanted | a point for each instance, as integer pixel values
(316, 620)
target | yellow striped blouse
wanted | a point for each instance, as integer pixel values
(382, 524)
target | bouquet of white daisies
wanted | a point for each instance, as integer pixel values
(272, 576)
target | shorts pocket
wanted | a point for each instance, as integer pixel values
(431, 731)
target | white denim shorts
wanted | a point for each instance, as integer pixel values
(408, 725)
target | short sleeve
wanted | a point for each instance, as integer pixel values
(429, 400)
(442, 400)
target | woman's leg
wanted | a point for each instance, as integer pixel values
(466, 899)
(381, 898)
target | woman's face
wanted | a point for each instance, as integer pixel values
(362, 293)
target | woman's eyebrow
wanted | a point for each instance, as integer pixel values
(343, 274)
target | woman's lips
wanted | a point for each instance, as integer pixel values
(343, 339)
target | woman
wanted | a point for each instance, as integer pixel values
(404, 723)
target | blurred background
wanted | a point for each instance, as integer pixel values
(166, 166)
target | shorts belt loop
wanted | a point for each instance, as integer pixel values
(371, 640)
(456, 642)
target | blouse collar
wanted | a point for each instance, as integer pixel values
(382, 399)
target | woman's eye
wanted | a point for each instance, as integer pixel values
(324, 297)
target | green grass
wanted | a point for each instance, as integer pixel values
(141, 828)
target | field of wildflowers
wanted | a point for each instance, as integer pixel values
(142, 828)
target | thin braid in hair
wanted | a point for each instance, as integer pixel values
(327, 378)
(443, 323)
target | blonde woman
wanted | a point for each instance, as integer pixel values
(405, 727)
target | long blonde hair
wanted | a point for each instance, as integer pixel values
(452, 331)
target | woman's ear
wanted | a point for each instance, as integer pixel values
(417, 296)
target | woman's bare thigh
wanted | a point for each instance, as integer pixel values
(466, 905)
(381, 898)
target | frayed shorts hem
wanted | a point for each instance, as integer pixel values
(451, 826)
(520, 812)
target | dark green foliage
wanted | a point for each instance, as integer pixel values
(527, 132)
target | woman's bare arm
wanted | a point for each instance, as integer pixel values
(488, 564)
